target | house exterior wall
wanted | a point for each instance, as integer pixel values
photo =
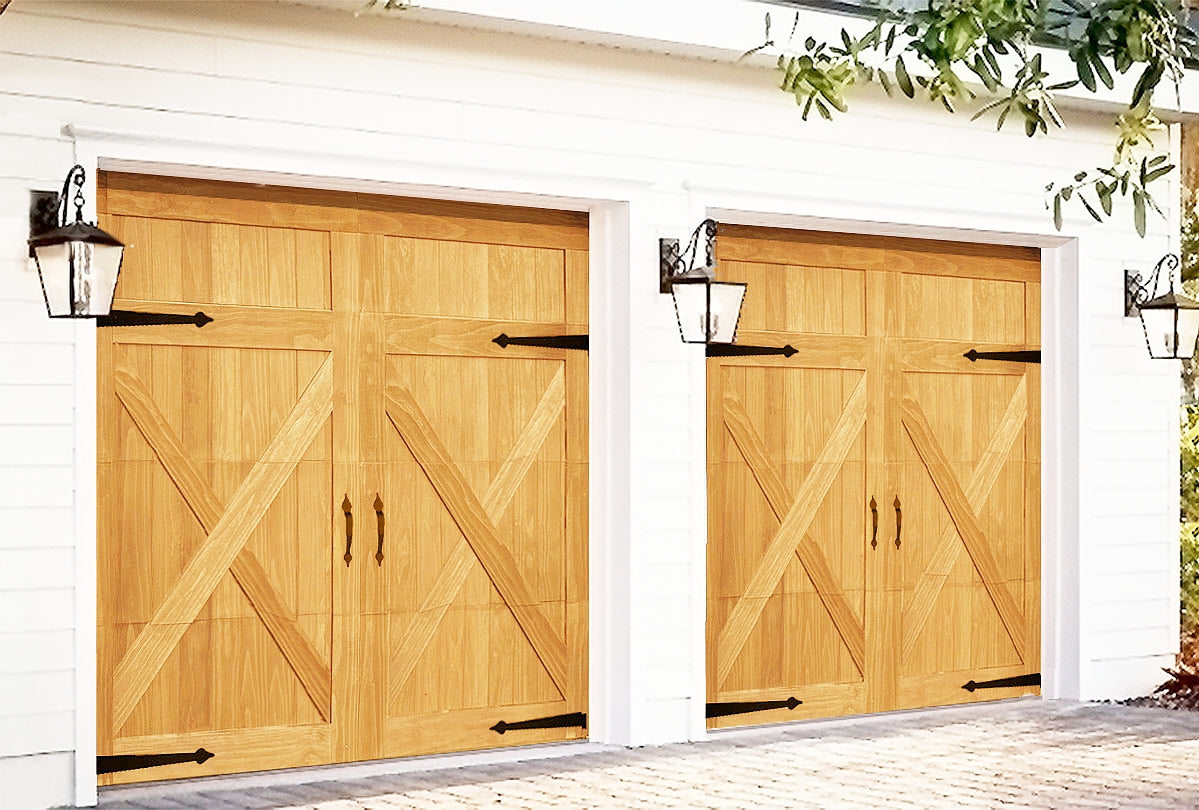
(650, 143)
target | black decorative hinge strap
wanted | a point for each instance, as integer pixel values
(123, 317)
(1033, 679)
(1030, 356)
(572, 720)
(737, 350)
(134, 762)
(745, 707)
(577, 342)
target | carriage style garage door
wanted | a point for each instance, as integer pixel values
(873, 499)
(339, 522)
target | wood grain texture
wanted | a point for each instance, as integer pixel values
(416, 334)
(965, 520)
(792, 528)
(781, 502)
(461, 560)
(300, 283)
(154, 643)
(231, 327)
(280, 621)
(903, 311)
(320, 210)
(237, 751)
(478, 530)
(932, 580)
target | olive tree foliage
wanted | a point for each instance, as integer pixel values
(945, 49)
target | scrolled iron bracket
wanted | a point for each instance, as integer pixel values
(1138, 290)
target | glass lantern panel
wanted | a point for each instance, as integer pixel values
(1188, 331)
(53, 267)
(726, 298)
(1159, 332)
(691, 308)
(105, 267)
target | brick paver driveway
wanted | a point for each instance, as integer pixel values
(1027, 753)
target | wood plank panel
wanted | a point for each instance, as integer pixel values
(809, 553)
(478, 530)
(234, 752)
(965, 520)
(462, 559)
(807, 499)
(945, 556)
(351, 212)
(144, 658)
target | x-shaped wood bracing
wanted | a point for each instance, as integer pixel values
(957, 501)
(476, 521)
(228, 528)
(795, 515)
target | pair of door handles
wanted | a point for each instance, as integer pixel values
(348, 509)
(874, 519)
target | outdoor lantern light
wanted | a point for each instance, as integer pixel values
(1170, 321)
(77, 263)
(707, 309)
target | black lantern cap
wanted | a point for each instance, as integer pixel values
(77, 231)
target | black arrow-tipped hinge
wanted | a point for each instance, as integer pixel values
(123, 317)
(572, 720)
(577, 342)
(745, 707)
(1031, 356)
(737, 350)
(1033, 679)
(135, 762)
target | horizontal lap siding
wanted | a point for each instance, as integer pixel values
(314, 81)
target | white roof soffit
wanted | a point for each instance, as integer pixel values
(716, 30)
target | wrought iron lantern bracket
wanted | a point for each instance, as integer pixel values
(1174, 316)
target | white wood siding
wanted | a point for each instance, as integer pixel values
(314, 95)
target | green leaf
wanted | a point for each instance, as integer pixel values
(979, 68)
(1094, 214)
(1144, 169)
(1002, 118)
(1156, 159)
(1057, 212)
(1138, 211)
(1066, 192)
(902, 77)
(1145, 84)
(1082, 63)
(885, 81)
(1154, 174)
(993, 63)
(823, 110)
(1105, 75)
(1105, 196)
(809, 43)
(1078, 178)
(831, 96)
(890, 41)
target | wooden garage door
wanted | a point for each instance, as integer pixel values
(233, 458)
(872, 502)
